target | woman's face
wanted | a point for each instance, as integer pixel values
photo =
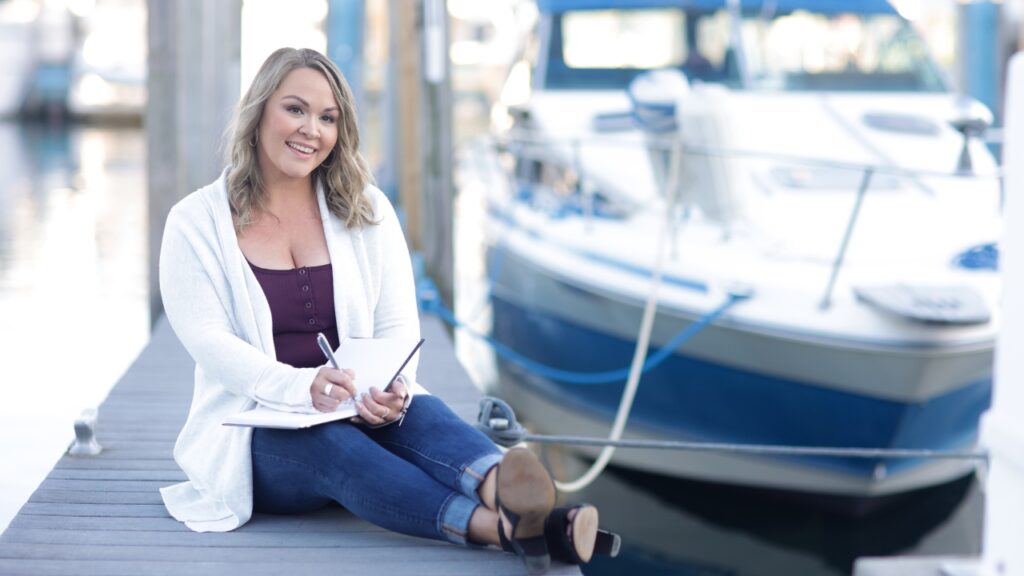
(299, 127)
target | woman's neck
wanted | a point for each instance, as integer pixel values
(289, 197)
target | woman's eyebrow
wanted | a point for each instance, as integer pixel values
(306, 104)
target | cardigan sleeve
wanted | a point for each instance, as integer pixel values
(197, 300)
(396, 313)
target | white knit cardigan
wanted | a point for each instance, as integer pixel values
(219, 312)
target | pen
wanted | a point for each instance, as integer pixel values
(325, 346)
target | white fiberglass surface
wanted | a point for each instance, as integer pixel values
(789, 282)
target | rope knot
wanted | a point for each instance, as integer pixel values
(498, 421)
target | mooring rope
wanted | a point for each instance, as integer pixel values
(498, 421)
(430, 303)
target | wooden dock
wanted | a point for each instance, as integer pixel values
(103, 514)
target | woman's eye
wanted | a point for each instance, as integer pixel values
(328, 119)
(294, 109)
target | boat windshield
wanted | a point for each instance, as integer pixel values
(804, 51)
(605, 49)
(795, 51)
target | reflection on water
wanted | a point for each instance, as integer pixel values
(673, 526)
(73, 286)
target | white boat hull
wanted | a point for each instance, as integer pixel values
(737, 384)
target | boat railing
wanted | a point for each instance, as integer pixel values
(543, 144)
(567, 151)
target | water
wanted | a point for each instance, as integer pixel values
(673, 526)
(73, 286)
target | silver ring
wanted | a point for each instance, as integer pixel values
(327, 389)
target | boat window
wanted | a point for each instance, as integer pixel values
(617, 39)
(803, 51)
(605, 49)
(555, 188)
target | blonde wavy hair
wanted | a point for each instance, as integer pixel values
(344, 174)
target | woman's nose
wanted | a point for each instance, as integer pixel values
(309, 129)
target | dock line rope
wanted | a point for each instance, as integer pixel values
(430, 303)
(643, 338)
(498, 421)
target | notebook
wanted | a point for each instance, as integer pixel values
(376, 363)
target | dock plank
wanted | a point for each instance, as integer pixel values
(330, 520)
(167, 476)
(104, 515)
(109, 485)
(352, 539)
(48, 496)
(398, 564)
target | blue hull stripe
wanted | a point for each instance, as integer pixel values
(621, 265)
(691, 399)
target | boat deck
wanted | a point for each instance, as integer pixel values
(103, 514)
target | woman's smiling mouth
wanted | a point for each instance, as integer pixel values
(302, 149)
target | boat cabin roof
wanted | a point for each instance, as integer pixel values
(794, 46)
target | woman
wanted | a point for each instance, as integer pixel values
(292, 240)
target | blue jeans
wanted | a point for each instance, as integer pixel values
(419, 478)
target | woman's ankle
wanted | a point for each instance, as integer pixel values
(483, 528)
(488, 489)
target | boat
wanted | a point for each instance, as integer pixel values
(108, 71)
(17, 22)
(800, 167)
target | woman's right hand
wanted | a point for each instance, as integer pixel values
(331, 387)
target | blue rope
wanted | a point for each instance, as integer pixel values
(430, 302)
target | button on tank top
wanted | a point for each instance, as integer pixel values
(301, 304)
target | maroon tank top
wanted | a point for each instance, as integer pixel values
(301, 304)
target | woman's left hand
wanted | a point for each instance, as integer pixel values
(379, 407)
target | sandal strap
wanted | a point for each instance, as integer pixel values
(505, 544)
(533, 551)
(562, 547)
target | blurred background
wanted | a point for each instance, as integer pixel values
(78, 163)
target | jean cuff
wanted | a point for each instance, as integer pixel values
(473, 475)
(455, 518)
